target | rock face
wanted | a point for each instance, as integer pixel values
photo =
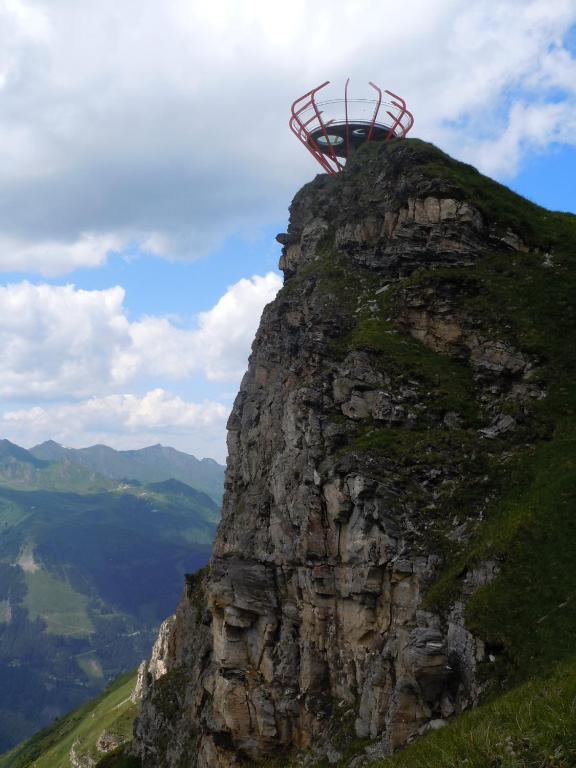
(356, 454)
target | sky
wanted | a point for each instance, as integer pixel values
(146, 165)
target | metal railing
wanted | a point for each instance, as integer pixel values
(311, 119)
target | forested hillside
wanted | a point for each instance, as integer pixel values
(89, 567)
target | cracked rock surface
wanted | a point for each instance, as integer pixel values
(344, 469)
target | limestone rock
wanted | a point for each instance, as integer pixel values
(313, 602)
(80, 761)
(108, 742)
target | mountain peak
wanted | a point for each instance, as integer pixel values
(390, 423)
(154, 463)
(48, 444)
(11, 451)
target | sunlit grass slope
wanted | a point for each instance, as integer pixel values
(112, 712)
(64, 610)
(532, 726)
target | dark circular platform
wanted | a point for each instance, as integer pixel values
(334, 139)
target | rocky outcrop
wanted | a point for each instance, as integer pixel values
(77, 760)
(108, 741)
(356, 456)
(164, 652)
(168, 685)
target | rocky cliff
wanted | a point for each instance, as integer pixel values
(388, 386)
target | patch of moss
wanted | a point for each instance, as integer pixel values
(428, 465)
(526, 299)
(530, 529)
(342, 289)
(518, 297)
(530, 609)
(498, 204)
(367, 325)
(447, 380)
(169, 693)
(119, 759)
(429, 446)
(369, 315)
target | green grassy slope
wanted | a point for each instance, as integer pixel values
(111, 712)
(532, 726)
(55, 601)
(528, 614)
(85, 580)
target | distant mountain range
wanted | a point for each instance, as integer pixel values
(94, 544)
(146, 465)
(21, 469)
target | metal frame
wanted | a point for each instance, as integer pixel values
(303, 126)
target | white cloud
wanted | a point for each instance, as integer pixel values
(224, 328)
(54, 258)
(123, 421)
(529, 127)
(166, 123)
(58, 341)
(58, 257)
(83, 364)
(218, 346)
(157, 409)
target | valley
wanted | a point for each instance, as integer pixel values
(89, 567)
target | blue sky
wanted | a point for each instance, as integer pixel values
(147, 165)
(179, 288)
(549, 179)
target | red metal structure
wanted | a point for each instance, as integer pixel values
(330, 130)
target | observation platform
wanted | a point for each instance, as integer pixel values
(330, 130)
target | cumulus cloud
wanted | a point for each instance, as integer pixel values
(122, 421)
(529, 127)
(58, 341)
(53, 258)
(156, 409)
(218, 346)
(223, 329)
(166, 123)
(74, 366)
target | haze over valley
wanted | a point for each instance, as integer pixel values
(92, 559)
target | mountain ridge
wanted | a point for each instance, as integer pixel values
(154, 463)
(20, 468)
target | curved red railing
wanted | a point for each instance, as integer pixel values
(310, 117)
